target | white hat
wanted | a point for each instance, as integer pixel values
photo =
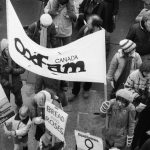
(4, 44)
(46, 20)
(127, 45)
(126, 94)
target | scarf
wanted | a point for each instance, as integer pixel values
(125, 73)
(43, 37)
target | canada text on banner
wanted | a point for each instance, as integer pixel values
(85, 141)
(6, 110)
(81, 60)
(55, 120)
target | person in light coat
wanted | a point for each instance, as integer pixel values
(122, 64)
(121, 120)
(20, 124)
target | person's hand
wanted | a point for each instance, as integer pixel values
(38, 120)
(148, 132)
(112, 84)
(140, 107)
(13, 133)
(8, 69)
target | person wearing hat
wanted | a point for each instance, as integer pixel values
(20, 124)
(14, 70)
(140, 34)
(121, 120)
(42, 135)
(43, 31)
(122, 64)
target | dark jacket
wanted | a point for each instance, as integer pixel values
(105, 9)
(34, 33)
(4, 76)
(141, 37)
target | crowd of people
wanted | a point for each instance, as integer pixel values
(128, 106)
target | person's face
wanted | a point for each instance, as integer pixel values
(22, 117)
(121, 104)
(7, 52)
(147, 75)
(147, 4)
(147, 25)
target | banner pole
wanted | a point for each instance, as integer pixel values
(105, 99)
(9, 58)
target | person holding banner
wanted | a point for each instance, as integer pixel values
(122, 64)
(21, 124)
(42, 135)
(43, 31)
(121, 120)
(7, 70)
(94, 23)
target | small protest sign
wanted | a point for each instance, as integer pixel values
(6, 110)
(55, 120)
(85, 141)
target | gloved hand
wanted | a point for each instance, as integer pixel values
(140, 107)
(105, 106)
(129, 141)
(8, 69)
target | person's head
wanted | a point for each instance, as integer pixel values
(45, 20)
(145, 69)
(146, 20)
(94, 22)
(4, 48)
(146, 4)
(24, 112)
(62, 2)
(41, 97)
(127, 46)
(124, 97)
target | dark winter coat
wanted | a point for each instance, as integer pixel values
(143, 125)
(34, 33)
(141, 37)
(105, 9)
(4, 76)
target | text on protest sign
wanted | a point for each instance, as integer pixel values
(85, 141)
(55, 120)
(6, 110)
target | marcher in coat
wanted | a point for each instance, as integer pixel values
(57, 87)
(43, 31)
(140, 34)
(14, 71)
(142, 129)
(63, 14)
(139, 82)
(93, 25)
(20, 124)
(121, 120)
(38, 115)
(122, 64)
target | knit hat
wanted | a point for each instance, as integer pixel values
(126, 94)
(46, 20)
(4, 44)
(41, 97)
(127, 45)
(24, 111)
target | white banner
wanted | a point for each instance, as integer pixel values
(55, 120)
(82, 60)
(6, 110)
(85, 141)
